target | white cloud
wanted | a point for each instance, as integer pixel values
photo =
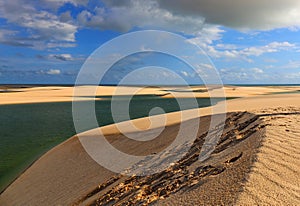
(41, 25)
(257, 70)
(226, 46)
(53, 72)
(204, 66)
(206, 38)
(207, 35)
(184, 73)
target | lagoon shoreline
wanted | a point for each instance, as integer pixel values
(57, 178)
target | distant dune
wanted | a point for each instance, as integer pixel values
(256, 162)
(23, 95)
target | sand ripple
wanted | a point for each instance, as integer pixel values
(275, 179)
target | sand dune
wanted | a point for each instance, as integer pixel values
(66, 175)
(228, 166)
(275, 176)
(12, 95)
(256, 162)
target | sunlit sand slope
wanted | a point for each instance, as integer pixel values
(275, 177)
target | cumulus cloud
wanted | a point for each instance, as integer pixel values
(240, 14)
(65, 17)
(45, 27)
(207, 35)
(123, 16)
(41, 25)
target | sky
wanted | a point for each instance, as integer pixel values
(248, 42)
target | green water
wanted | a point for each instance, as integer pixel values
(29, 130)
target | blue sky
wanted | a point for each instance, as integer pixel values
(249, 42)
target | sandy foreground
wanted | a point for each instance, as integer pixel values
(255, 162)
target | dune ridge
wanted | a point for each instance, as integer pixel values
(232, 154)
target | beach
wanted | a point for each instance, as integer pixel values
(255, 162)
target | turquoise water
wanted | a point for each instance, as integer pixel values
(29, 130)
